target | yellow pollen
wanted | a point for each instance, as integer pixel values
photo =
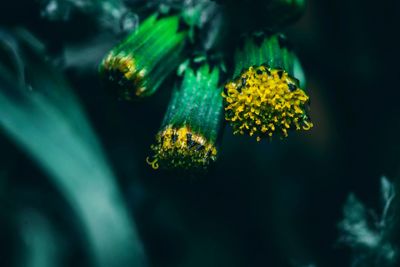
(262, 102)
(124, 64)
(123, 67)
(180, 148)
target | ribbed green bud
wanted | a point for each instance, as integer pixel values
(138, 65)
(264, 98)
(188, 135)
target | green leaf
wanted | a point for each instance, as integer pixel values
(44, 118)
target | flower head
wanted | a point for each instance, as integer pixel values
(182, 148)
(138, 65)
(187, 139)
(264, 100)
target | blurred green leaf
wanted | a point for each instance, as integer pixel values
(110, 14)
(41, 243)
(44, 118)
(366, 233)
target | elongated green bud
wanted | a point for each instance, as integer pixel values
(265, 97)
(187, 139)
(137, 66)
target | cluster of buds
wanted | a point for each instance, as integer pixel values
(265, 96)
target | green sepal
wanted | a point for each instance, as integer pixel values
(271, 50)
(197, 102)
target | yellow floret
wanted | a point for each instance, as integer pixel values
(181, 148)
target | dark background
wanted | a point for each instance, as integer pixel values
(264, 204)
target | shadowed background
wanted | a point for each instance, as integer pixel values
(263, 204)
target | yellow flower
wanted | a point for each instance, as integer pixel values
(181, 148)
(263, 101)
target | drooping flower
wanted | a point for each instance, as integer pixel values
(265, 98)
(187, 139)
(139, 64)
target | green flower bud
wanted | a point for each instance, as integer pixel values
(138, 65)
(187, 138)
(265, 97)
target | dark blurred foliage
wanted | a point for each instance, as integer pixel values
(264, 204)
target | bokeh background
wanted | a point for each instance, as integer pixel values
(263, 204)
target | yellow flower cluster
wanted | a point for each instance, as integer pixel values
(182, 148)
(263, 101)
